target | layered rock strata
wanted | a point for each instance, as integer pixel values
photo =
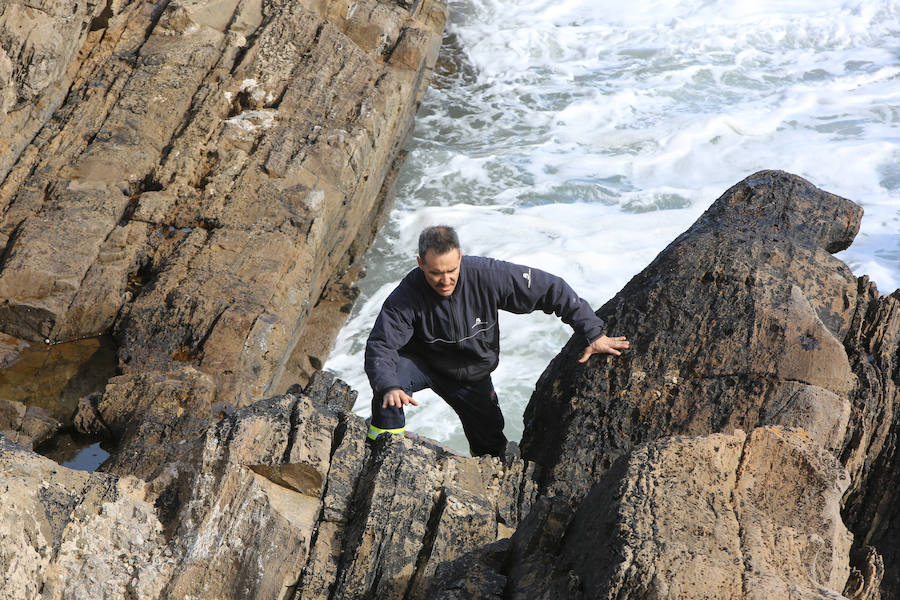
(192, 175)
(281, 499)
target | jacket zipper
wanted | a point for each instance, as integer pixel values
(455, 319)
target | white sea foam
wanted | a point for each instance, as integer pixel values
(593, 133)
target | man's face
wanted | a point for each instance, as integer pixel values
(441, 270)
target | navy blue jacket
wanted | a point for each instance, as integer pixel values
(458, 335)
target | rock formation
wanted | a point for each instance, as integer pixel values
(719, 516)
(745, 323)
(280, 499)
(869, 450)
(737, 323)
(196, 177)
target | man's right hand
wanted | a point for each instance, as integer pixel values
(398, 399)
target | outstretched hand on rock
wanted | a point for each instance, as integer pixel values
(398, 399)
(605, 345)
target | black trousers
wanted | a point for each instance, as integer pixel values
(474, 402)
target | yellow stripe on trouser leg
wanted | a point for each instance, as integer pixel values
(375, 431)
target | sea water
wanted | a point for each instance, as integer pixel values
(582, 136)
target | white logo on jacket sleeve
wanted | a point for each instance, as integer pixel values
(527, 277)
(477, 322)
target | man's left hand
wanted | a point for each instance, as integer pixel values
(605, 345)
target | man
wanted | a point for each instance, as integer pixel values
(438, 329)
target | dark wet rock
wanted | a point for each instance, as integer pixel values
(477, 575)
(152, 417)
(48, 381)
(739, 322)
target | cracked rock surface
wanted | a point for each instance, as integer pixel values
(280, 499)
(718, 516)
(739, 322)
(196, 177)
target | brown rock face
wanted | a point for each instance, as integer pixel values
(261, 133)
(870, 446)
(37, 45)
(280, 499)
(195, 176)
(719, 516)
(739, 322)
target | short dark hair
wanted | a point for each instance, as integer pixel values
(439, 238)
